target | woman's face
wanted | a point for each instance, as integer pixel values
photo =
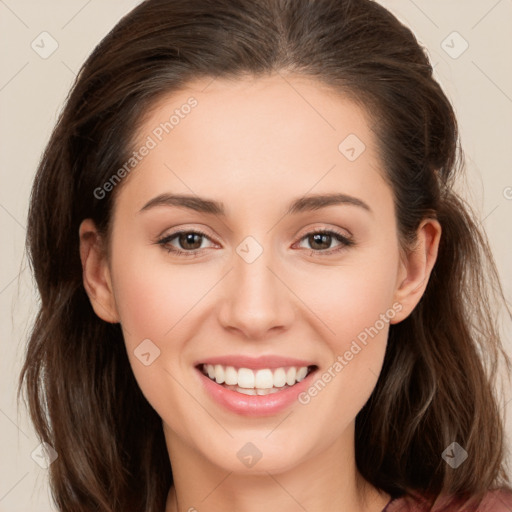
(258, 290)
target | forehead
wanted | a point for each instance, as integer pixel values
(250, 135)
(264, 107)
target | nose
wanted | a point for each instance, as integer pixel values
(256, 299)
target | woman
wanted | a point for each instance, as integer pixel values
(259, 289)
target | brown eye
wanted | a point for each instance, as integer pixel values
(190, 240)
(320, 241)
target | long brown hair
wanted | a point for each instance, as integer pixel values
(437, 382)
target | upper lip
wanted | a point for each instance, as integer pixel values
(268, 361)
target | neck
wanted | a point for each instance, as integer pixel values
(327, 481)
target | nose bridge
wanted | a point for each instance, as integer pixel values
(257, 301)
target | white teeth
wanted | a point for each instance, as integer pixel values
(301, 373)
(230, 376)
(290, 376)
(246, 391)
(245, 378)
(253, 391)
(259, 381)
(263, 379)
(279, 378)
(219, 373)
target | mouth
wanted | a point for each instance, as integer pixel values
(261, 381)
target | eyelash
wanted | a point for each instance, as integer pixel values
(345, 242)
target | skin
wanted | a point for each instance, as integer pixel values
(256, 145)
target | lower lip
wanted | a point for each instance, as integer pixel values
(254, 405)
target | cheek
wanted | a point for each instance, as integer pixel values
(154, 296)
(354, 309)
(350, 297)
(154, 302)
(353, 305)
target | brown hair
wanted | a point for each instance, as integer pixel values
(437, 382)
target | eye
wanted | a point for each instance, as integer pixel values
(320, 240)
(190, 240)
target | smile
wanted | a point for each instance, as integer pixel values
(269, 386)
(260, 382)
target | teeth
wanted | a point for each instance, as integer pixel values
(219, 374)
(263, 379)
(245, 378)
(246, 391)
(252, 382)
(230, 375)
(279, 377)
(290, 376)
(301, 374)
(254, 391)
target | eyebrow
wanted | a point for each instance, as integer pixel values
(209, 206)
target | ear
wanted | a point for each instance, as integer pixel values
(415, 268)
(96, 273)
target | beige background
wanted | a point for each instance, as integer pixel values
(32, 92)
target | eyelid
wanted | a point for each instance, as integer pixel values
(185, 228)
(325, 229)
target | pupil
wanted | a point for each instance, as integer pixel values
(188, 238)
(318, 237)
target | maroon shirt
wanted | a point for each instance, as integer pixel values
(499, 500)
